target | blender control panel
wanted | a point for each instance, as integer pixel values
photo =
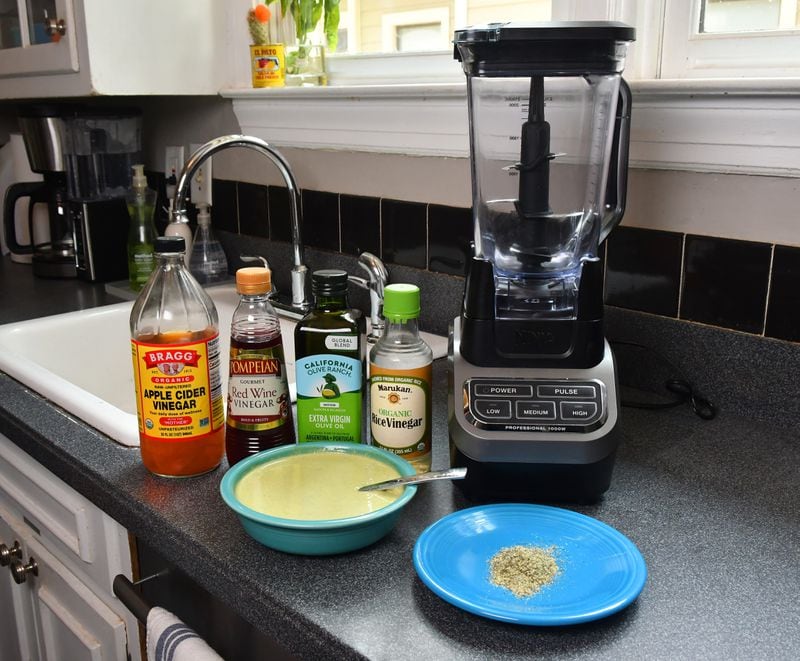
(531, 405)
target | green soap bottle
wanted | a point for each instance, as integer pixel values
(329, 363)
(142, 233)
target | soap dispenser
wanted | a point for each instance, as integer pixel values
(142, 233)
(208, 263)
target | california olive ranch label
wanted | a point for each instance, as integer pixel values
(329, 397)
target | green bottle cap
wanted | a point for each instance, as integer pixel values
(400, 302)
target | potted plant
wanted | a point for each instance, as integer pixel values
(305, 61)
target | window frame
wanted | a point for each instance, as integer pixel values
(744, 125)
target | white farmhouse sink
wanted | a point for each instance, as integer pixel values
(82, 360)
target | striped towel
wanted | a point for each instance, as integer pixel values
(169, 639)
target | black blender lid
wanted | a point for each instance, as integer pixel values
(550, 30)
(548, 48)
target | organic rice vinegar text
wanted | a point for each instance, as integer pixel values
(176, 368)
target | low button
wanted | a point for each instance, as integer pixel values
(578, 410)
(489, 409)
(536, 410)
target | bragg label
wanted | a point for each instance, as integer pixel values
(178, 389)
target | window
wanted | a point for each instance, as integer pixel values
(730, 39)
(409, 31)
(716, 83)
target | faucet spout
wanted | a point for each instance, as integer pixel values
(377, 277)
(300, 300)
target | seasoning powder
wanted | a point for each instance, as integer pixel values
(523, 569)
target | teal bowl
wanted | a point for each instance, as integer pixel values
(322, 537)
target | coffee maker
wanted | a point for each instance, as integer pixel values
(533, 401)
(100, 149)
(52, 255)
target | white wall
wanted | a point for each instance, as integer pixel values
(747, 207)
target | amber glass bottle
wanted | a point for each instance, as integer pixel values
(259, 407)
(176, 362)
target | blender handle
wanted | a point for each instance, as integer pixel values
(14, 193)
(617, 186)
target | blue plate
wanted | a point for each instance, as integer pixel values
(601, 570)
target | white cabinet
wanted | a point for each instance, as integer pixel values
(112, 47)
(68, 552)
(17, 629)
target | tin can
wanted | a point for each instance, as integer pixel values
(268, 64)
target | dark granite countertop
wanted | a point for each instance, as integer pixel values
(713, 507)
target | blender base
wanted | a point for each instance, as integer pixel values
(540, 483)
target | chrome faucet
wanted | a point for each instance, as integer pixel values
(300, 302)
(377, 278)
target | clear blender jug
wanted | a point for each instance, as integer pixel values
(548, 134)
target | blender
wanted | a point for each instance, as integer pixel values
(533, 401)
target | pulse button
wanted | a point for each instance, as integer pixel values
(493, 409)
(584, 392)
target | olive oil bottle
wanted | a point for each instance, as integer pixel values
(329, 363)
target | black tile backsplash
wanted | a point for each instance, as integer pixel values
(360, 218)
(783, 319)
(449, 239)
(643, 270)
(725, 282)
(321, 219)
(280, 217)
(404, 232)
(253, 210)
(715, 281)
(224, 212)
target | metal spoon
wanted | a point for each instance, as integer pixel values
(449, 474)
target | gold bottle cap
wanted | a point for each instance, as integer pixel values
(253, 280)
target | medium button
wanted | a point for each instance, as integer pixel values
(493, 408)
(502, 390)
(578, 410)
(536, 410)
(585, 392)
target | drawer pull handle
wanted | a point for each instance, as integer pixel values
(9, 554)
(20, 572)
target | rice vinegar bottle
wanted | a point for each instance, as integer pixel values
(176, 367)
(400, 381)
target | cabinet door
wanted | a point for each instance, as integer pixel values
(26, 47)
(72, 622)
(17, 630)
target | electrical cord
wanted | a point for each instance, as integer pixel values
(680, 387)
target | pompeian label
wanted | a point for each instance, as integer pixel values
(178, 389)
(258, 391)
(329, 398)
(400, 410)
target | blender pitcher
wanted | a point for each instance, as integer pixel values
(548, 115)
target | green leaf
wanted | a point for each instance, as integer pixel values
(332, 23)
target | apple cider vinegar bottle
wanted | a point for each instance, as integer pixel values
(176, 368)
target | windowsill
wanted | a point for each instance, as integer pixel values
(740, 125)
